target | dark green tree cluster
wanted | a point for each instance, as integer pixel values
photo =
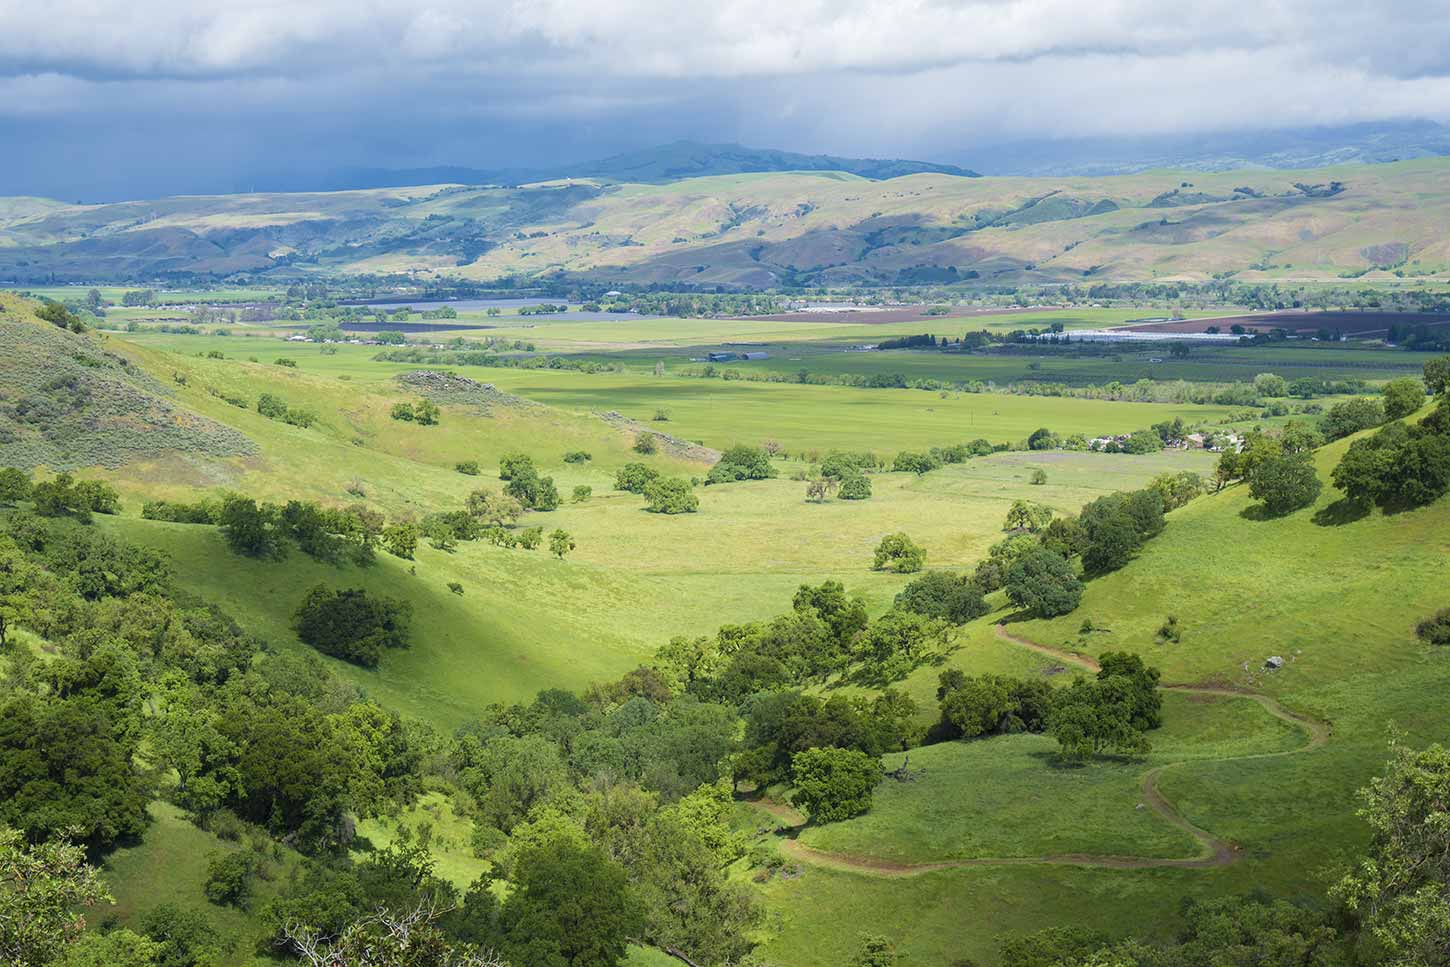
(1351, 416)
(781, 725)
(424, 412)
(670, 495)
(741, 462)
(64, 496)
(352, 624)
(1109, 714)
(972, 706)
(955, 598)
(899, 553)
(1401, 466)
(275, 408)
(826, 633)
(526, 485)
(331, 535)
(635, 477)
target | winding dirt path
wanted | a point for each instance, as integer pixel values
(1213, 850)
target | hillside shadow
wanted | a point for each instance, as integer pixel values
(1342, 511)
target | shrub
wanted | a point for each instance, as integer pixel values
(582, 493)
(941, 594)
(635, 477)
(352, 624)
(469, 467)
(63, 496)
(645, 444)
(854, 487)
(898, 553)
(229, 877)
(842, 465)
(1435, 630)
(918, 463)
(670, 495)
(741, 462)
(818, 489)
(250, 529)
(284, 361)
(1038, 478)
(15, 485)
(533, 491)
(1043, 439)
(577, 456)
(512, 463)
(991, 705)
(403, 411)
(662, 415)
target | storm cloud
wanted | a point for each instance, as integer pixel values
(109, 98)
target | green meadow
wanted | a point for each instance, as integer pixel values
(986, 837)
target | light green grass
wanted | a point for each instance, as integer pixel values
(1338, 600)
(1008, 796)
(169, 867)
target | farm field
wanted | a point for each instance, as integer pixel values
(820, 349)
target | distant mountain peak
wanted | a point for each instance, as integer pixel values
(693, 159)
(663, 163)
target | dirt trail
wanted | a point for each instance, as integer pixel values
(1213, 851)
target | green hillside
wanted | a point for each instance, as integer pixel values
(1337, 599)
(532, 707)
(775, 228)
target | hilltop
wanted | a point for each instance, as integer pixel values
(664, 163)
(817, 227)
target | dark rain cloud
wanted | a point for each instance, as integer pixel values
(110, 98)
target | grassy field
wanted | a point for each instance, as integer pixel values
(1340, 607)
(637, 579)
(169, 867)
(1336, 595)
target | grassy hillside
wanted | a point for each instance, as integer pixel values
(67, 401)
(1337, 598)
(1250, 781)
(811, 227)
(526, 621)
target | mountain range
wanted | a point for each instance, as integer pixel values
(772, 228)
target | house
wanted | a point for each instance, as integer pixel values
(755, 355)
(721, 357)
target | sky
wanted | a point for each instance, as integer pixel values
(106, 99)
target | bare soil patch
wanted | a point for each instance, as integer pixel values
(1352, 323)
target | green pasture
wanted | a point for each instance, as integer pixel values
(1336, 596)
(1335, 593)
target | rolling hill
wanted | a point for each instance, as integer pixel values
(816, 227)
